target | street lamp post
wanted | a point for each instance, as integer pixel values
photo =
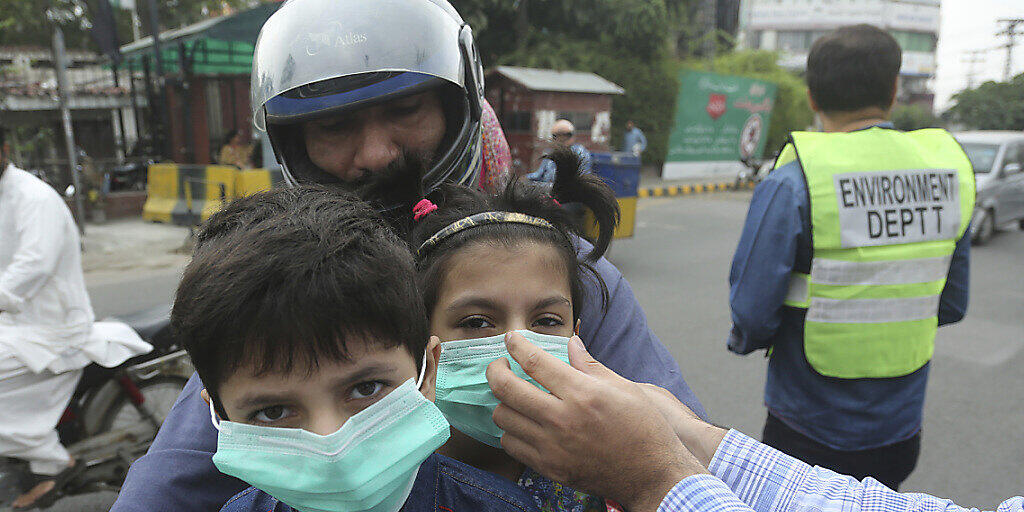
(60, 64)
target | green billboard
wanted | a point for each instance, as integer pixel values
(719, 119)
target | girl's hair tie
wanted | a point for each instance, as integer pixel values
(422, 208)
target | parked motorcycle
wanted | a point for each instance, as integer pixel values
(754, 170)
(114, 413)
(131, 175)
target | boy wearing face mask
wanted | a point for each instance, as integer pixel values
(302, 317)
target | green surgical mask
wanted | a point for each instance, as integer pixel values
(463, 394)
(369, 464)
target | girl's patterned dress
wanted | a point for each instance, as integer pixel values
(555, 497)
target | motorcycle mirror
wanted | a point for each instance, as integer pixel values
(70, 191)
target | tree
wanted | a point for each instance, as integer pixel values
(792, 109)
(621, 40)
(178, 13)
(25, 23)
(914, 117)
(991, 106)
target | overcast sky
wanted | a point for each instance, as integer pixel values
(971, 25)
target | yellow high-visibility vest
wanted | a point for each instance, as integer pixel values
(887, 208)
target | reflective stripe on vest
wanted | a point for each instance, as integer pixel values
(886, 210)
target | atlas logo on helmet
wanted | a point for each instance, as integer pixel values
(335, 38)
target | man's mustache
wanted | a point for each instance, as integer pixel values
(393, 186)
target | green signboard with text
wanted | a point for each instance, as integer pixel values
(719, 119)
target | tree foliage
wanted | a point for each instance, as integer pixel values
(792, 109)
(621, 40)
(991, 106)
(25, 22)
(914, 117)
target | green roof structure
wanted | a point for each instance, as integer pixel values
(217, 46)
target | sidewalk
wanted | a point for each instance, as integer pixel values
(131, 244)
(653, 185)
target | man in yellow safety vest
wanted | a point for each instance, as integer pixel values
(853, 253)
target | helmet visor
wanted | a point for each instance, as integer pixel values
(310, 41)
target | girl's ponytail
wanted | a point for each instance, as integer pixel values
(573, 184)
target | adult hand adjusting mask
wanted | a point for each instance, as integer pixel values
(369, 464)
(463, 394)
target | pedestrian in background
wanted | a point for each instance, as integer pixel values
(563, 133)
(236, 151)
(634, 141)
(853, 252)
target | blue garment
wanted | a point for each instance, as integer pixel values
(545, 173)
(442, 484)
(747, 476)
(843, 414)
(632, 138)
(176, 474)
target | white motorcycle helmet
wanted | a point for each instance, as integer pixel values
(321, 58)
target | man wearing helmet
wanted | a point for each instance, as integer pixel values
(345, 89)
(348, 91)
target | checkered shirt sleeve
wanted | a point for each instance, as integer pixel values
(763, 479)
(702, 493)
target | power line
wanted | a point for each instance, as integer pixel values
(975, 58)
(1011, 33)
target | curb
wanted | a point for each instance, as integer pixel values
(679, 190)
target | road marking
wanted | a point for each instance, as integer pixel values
(682, 190)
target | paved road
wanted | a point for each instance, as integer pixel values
(678, 265)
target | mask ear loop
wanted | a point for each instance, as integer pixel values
(419, 380)
(213, 417)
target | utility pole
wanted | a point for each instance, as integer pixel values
(710, 11)
(1011, 33)
(975, 58)
(167, 149)
(60, 64)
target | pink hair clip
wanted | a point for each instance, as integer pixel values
(422, 208)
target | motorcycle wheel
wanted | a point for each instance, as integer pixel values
(160, 394)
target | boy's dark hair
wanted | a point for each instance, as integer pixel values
(852, 68)
(285, 278)
(572, 185)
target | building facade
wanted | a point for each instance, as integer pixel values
(791, 26)
(528, 102)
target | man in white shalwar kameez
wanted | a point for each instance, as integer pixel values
(46, 324)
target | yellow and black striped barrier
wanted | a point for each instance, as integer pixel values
(187, 195)
(681, 190)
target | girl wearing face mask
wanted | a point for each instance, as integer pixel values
(488, 265)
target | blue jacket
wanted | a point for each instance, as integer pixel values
(632, 138)
(177, 474)
(843, 414)
(442, 485)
